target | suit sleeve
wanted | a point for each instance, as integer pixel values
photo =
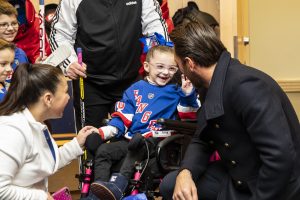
(267, 125)
(152, 20)
(64, 29)
(196, 157)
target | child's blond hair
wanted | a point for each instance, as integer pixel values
(158, 48)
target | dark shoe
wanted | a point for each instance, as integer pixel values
(112, 190)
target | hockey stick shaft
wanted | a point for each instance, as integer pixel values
(81, 88)
(42, 27)
(82, 113)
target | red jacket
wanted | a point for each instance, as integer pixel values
(28, 34)
(165, 12)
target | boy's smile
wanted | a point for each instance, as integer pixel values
(8, 27)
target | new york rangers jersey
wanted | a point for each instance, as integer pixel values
(143, 103)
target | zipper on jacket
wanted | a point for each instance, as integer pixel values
(118, 42)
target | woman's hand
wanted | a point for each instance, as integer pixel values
(49, 197)
(83, 133)
(186, 86)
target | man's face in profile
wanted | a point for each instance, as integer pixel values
(184, 67)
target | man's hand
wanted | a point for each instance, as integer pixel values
(185, 188)
(75, 71)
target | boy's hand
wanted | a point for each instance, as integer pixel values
(187, 86)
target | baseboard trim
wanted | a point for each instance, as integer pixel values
(291, 86)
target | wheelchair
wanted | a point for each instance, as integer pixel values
(168, 155)
(149, 173)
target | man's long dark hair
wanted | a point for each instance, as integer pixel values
(197, 41)
(28, 83)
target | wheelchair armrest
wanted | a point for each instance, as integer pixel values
(182, 127)
(162, 144)
(168, 140)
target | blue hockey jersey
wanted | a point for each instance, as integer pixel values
(143, 103)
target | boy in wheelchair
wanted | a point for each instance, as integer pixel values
(142, 104)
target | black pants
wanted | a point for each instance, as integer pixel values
(138, 155)
(208, 185)
(109, 158)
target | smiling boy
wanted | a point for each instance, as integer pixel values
(7, 54)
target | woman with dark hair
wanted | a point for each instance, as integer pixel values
(28, 153)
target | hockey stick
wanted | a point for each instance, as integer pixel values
(42, 27)
(82, 120)
(81, 89)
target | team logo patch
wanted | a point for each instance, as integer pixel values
(131, 3)
(150, 96)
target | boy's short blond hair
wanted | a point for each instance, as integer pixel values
(6, 45)
(158, 48)
(7, 9)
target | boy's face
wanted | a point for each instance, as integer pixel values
(161, 68)
(8, 27)
(6, 59)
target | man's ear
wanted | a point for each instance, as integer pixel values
(190, 63)
(146, 66)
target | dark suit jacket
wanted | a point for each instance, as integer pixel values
(250, 121)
